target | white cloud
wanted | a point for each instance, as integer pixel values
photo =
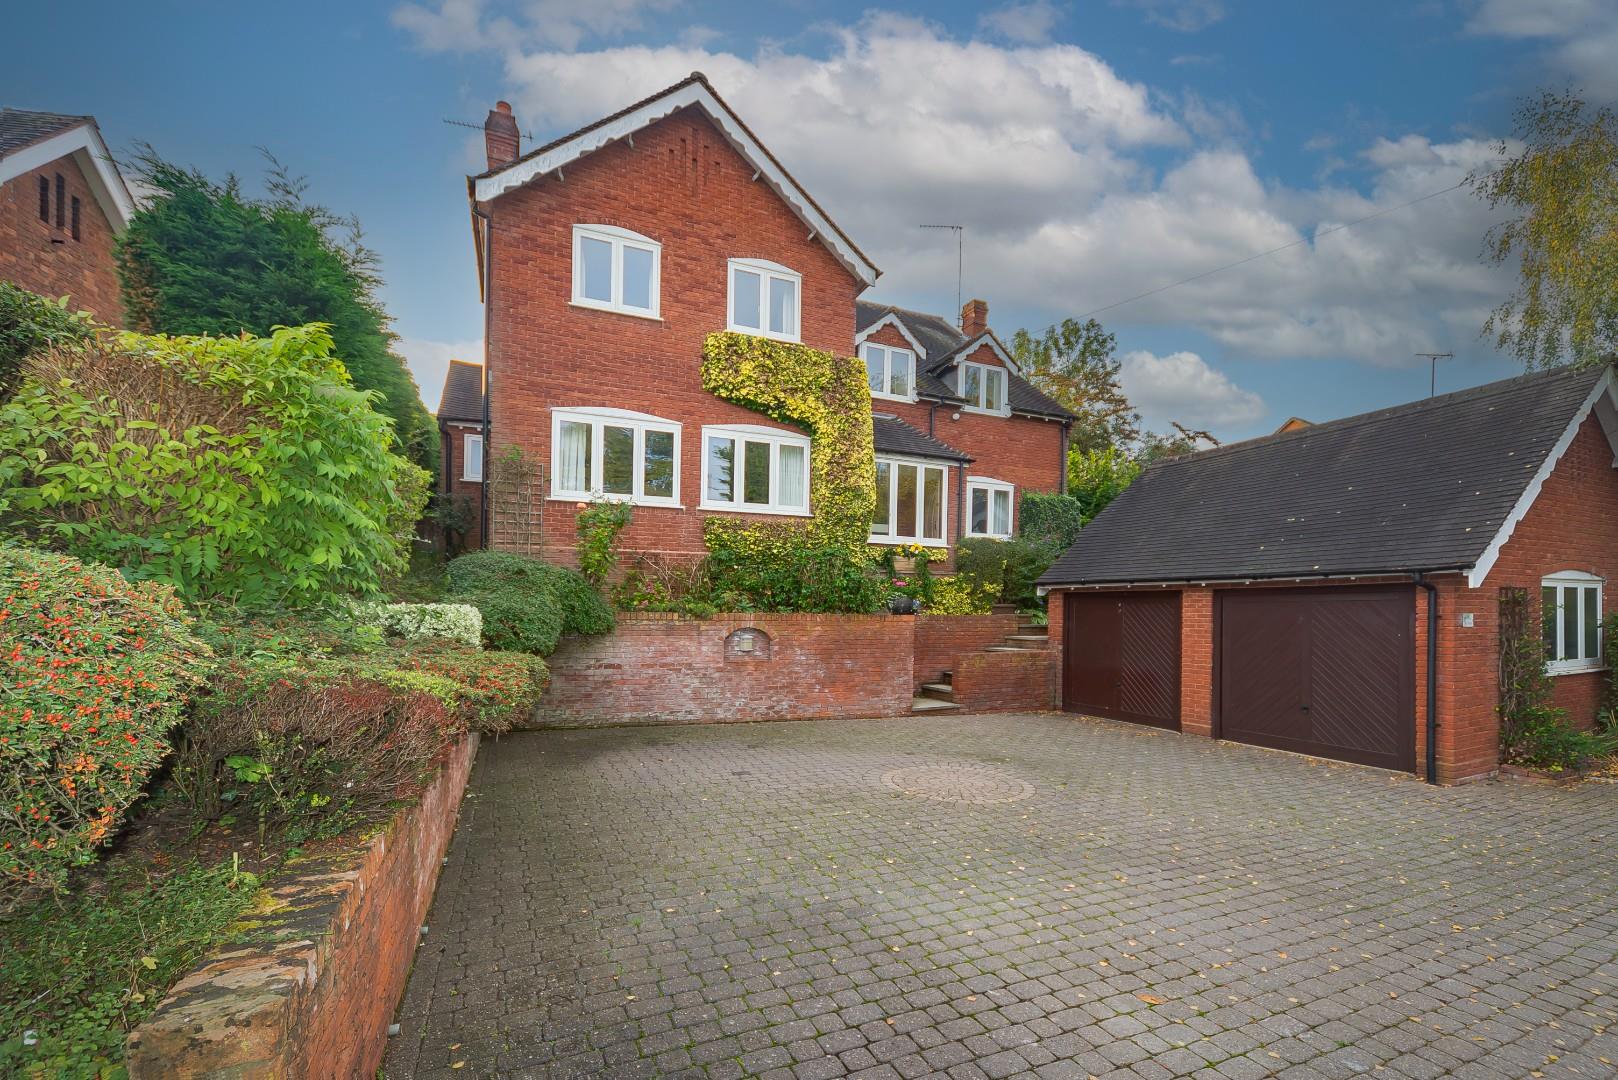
(465, 25)
(1580, 37)
(1182, 387)
(429, 361)
(1031, 23)
(1186, 16)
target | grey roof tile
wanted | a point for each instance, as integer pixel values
(894, 436)
(1423, 486)
(22, 127)
(463, 392)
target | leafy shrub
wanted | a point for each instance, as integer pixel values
(1609, 638)
(959, 596)
(82, 972)
(1005, 569)
(1534, 733)
(1051, 520)
(599, 526)
(453, 622)
(1543, 738)
(95, 670)
(824, 579)
(1096, 477)
(527, 604)
(244, 469)
(31, 324)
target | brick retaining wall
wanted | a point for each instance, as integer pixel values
(941, 639)
(309, 987)
(990, 681)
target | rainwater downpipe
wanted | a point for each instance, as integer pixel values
(1432, 676)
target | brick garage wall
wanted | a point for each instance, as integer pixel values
(44, 259)
(682, 185)
(453, 479)
(315, 991)
(670, 670)
(989, 681)
(941, 640)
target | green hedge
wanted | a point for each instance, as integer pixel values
(1051, 519)
(31, 324)
(527, 604)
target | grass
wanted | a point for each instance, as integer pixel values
(80, 972)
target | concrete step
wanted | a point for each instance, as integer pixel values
(1037, 639)
(1034, 629)
(1015, 648)
(940, 690)
(929, 705)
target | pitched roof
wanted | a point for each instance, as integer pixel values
(463, 392)
(1433, 485)
(693, 90)
(31, 139)
(893, 436)
(942, 342)
(22, 127)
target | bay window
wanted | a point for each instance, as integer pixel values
(912, 502)
(891, 372)
(616, 270)
(764, 299)
(1570, 621)
(984, 388)
(615, 454)
(988, 507)
(758, 469)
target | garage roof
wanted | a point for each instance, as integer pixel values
(1433, 485)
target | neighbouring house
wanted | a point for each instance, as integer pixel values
(460, 434)
(1336, 590)
(62, 203)
(608, 256)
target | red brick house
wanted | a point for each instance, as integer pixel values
(460, 434)
(62, 202)
(1336, 590)
(606, 258)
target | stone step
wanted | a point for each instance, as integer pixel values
(940, 690)
(1034, 629)
(1041, 639)
(1015, 648)
(927, 705)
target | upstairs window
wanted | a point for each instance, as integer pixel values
(764, 299)
(984, 388)
(891, 372)
(472, 458)
(758, 469)
(1571, 622)
(988, 507)
(615, 454)
(616, 270)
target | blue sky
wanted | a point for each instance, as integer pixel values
(1094, 150)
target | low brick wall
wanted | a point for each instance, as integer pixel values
(665, 669)
(941, 639)
(309, 987)
(989, 681)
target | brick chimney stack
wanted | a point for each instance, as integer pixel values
(974, 318)
(501, 139)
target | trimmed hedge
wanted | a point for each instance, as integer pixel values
(528, 604)
(1051, 519)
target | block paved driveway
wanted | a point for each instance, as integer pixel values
(992, 896)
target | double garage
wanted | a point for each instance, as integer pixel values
(1323, 670)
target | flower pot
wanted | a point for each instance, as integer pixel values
(903, 605)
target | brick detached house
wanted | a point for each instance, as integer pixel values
(62, 201)
(460, 435)
(1335, 590)
(606, 258)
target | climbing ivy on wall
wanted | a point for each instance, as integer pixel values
(828, 397)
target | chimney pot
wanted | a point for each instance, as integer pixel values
(974, 318)
(501, 140)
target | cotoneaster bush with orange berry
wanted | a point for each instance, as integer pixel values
(96, 670)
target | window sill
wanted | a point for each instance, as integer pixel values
(1554, 669)
(471, 479)
(796, 339)
(666, 504)
(984, 412)
(733, 508)
(610, 310)
(892, 397)
(901, 541)
(988, 536)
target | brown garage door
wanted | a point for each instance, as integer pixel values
(1122, 656)
(1329, 671)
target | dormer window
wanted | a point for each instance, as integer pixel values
(891, 372)
(616, 270)
(984, 388)
(764, 299)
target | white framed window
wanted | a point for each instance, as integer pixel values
(984, 389)
(988, 507)
(615, 454)
(758, 469)
(616, 270)
(765, 299)
(1570, 620)
(891, 372)
(472, 457)
(912, 502)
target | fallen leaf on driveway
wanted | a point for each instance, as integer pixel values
(1150, 999)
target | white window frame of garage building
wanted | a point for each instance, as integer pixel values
(991, 488)
(1586, 593)
(890, 493)
(599, 419)
(778, 441)
(472, 459)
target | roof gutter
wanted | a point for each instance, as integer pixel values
(1432, 674)
(1342, 575)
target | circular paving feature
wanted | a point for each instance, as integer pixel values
(981, 785)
